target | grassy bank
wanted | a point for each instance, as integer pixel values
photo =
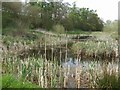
(10, 81)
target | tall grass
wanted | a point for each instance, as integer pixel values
(109, 78)
(50, 73)
(96, 49)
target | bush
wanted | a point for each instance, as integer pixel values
(58, 29)
(109, 81)
(8, 31)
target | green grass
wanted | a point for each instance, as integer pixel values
(0, 81)
(105, 35)
(78, 32)
(10, 81)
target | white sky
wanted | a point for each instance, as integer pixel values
(106, 9)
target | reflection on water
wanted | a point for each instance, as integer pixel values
(86, 69)
(87, 64)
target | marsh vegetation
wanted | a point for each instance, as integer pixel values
(63, 51)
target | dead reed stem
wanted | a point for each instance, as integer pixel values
(78, 73)
(66, 49)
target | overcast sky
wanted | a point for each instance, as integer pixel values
(106, 9)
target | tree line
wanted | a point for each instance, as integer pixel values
(47, 14)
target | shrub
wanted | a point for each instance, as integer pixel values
(108, 81)
(58, 29)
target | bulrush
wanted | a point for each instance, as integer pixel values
(39, 76)
(42, 81)
(51, 73)
(26, 63)
(79, 54)
(65, 77)
(65, 81)
(77, 76)
(83, 54)
(113, 55)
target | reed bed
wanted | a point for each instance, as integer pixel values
(98, 50)
(52, 73)
(47, 74)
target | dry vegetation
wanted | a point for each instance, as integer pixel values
(51, 73)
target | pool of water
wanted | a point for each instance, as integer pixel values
(88, 64)
(85, 69)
